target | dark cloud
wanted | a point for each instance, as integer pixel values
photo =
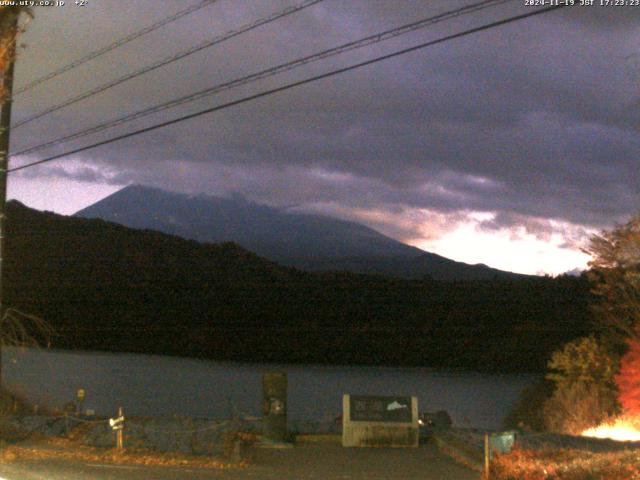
(535, 121)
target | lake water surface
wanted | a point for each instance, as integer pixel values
(150, 385)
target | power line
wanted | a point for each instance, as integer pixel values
(269, 72)
(113, 46)
(173, 58)
(294, 84)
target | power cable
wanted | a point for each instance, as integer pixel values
(269, 72)
(113, 46)
(166, 61)
(294, 84)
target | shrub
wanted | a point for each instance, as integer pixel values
(628, 380)
(575, 407)
(527, 412)
(565, 465)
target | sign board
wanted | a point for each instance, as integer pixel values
(379, 421)
(502, 442)
(380, 409)
(117, 423)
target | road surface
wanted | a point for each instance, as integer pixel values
(322, 461)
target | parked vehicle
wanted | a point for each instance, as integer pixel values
(430, 422)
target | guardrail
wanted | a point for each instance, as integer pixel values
(186, 435)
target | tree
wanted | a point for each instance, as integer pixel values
(585, 360)
(585, 391)
(628, 380)
(615, 274)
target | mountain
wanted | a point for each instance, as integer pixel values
(104, 286)
(306, 241)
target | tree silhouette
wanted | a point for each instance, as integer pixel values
(615, 273)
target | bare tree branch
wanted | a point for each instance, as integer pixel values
(24, 330)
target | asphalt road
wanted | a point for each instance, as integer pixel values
(303, 462)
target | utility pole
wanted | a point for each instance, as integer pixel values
(8, 33)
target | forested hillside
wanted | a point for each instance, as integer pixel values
(107, 287)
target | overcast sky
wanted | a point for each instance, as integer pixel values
(506, 147)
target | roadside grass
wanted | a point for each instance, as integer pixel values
(566, 464)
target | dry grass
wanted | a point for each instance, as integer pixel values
(566, 464)
(69, 450)
(460, 451)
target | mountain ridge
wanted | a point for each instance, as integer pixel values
(302, 240)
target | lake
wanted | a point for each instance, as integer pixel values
(150, 385)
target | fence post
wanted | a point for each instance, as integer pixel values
(119, 441)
